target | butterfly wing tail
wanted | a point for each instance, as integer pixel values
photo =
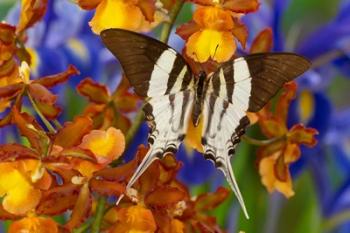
(151, 156)
(226, 168)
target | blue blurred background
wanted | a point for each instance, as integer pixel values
(317, 29)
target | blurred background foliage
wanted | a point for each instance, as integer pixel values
(307, 211)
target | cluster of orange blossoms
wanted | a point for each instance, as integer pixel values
(72, 167)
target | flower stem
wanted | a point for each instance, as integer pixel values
(167, 26)
(83, 227)
(42, 117)
(258, 142)
(164, 36)
(96, 224)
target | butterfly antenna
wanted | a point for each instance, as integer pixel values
(230, 177)
(146, 162)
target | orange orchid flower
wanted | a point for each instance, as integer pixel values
(34, 224)
(275, 158)
(215, 26)
(108, 110)
(117, 14)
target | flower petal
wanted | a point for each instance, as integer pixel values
(106, 145)
(164, 196)
(301, 135)
(53, 80)
(88, 4)
(7, 41)
(81, 209)
(50, 111)
(58, 199)
(262, 42)
(148, 9)
(19, 195)
(241, 6)
(205, 44)
(95, 92)
(104, 187)
(214, 18)
(30, 129)
(187, 29)
(31, 12)
(116, 14)
(34, 225)
(80, 126)
(269, 179)
(135, 219)
(41, 94)
(11, 152)
(209, 201)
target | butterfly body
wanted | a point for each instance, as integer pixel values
(200, 89)
(220, 100)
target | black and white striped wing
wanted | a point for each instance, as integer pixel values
(157, 72)
(245, 84)
(153, 68)
(251, 81)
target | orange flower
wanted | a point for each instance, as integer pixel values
(31, 12)
(212, 32)
(103, 106)
(106, 145)
(34, 224)
(20, 185)
(134, 219)
(117, 14)
(275, 158)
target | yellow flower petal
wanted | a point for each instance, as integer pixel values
(194, 135)
(208, 43)
(116, 14)
(106, 145)
(19, 194)
(269, 179)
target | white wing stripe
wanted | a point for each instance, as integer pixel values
(160, 74)
(243, 85)
(241, 70)
(223, 88)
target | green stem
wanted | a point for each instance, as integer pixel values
(329, 224)
(164, 36)
(42, 117)
(96, 224)
(167, 26)
(57, 124)
(83, 227)
(258, 142)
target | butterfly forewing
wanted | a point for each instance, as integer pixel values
(251, 81)
(152, 67)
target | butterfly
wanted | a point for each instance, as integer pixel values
(174, 96)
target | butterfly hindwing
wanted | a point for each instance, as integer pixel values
(224, 124)
(167, 116)
(253, 80)
(152, 67)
